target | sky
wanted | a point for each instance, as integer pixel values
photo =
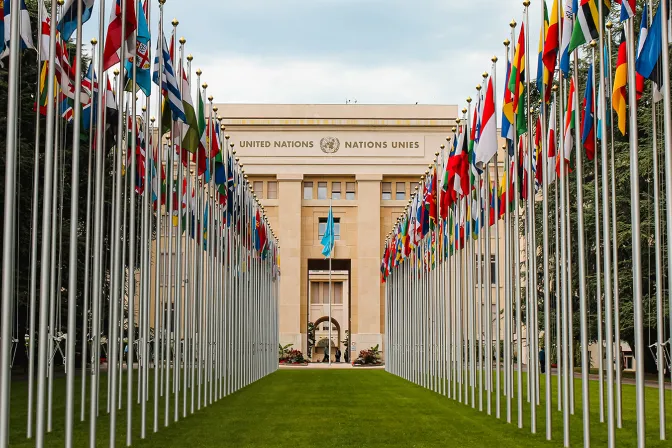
(333, 51)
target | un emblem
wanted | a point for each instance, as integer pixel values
(329, 145)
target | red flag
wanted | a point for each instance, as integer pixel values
(114, 39)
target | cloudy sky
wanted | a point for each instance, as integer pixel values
(330, 51)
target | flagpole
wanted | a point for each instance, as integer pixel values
(8, 259)
(667, 127)
(585, 360)
(330, 252)
(508, 380)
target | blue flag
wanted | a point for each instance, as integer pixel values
(169, 83)
(328, 238)
(68, 23)
(649, 60)
(25, 34)
(143, 76)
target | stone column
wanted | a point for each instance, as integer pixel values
(290, 194)
(368, 262)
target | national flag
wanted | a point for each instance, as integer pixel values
(517, 82)
(568, 140)
(643, 33)
(628, 8)
(90, 83)
(25, 31)
(143, 76)
(567, 27)
(543, 75)
(587, 21)
(460, 166)
(552, 43)
(191, 136)
(588, 124)
(604, 114)
(619, 94)
(114, 39)
(507, 108)
(67, 25)
(487, 146)
(42, 100)
(169, 83)
(649, 62)
(67, 112)
(200, 155)
(328, 238)
(551, 143)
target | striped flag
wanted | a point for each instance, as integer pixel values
(628, 8)
(169, 83)
(517, 82)
(619, 94)
(487, 145)
(587, 21)
(67, 25)
(543, 74)
(507, 108)
(588, 123)
(552, 43)
(567, 27)
(643, 33)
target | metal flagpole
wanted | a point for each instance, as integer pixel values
(8, 259)
(569, 374)
(46, 235)
(508, 380)
(331, 249)
(74, 224)
(636, 231)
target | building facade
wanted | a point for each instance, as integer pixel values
(364, 160)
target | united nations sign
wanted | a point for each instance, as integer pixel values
(329, 145)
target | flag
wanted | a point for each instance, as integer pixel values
(507, 108)
(42, 100)
(628, 8)
(619, 95)
(2, 25)
(543, 75)
(460, 166)
(649, 61)
(328, 238)
(25, 31)
(567, 26)
(201, 155)
(143, 77)
(517, 83)
(90, 83)
(568, 140)
(67, 25)
(552, 43)
(588, 124)
(111, 115)
(551, 144)
(114, 39)
(639, 79)
(487, 146)
(603, 114)
(191, 136)
(169, 83)
(587, 22)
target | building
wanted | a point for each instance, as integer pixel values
(364, 160)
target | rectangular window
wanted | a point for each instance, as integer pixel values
(321, 190)
(338, 293)
(414, 185)
(272, 190)
(493, 271)
(258, 188)
(307, 190)
(314, 292)
(322, 227)
(387, 191)
(350, 191)
(336, 190)
(401, 191)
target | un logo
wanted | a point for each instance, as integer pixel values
(329, 145)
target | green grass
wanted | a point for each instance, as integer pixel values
(345, 408)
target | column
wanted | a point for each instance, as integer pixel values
(290, 194)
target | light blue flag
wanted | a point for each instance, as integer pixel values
(328, 238)
(67, 25)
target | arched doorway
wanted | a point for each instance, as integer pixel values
(322, 338)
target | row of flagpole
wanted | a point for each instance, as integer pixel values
(444, 311)
(180, 269)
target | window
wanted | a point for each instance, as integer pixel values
(493, 271)
(401, 191)
(272, 190)
(336, 190)
(414, 185)
(321, 190)
(338, 293)
(314, 292)
(350, 191)
(322, 227)
(258, 188)
(387, 191)
(307, 190)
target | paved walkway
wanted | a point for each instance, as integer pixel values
(333, 366)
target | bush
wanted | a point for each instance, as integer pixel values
(368, 357)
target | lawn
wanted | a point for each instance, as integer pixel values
(345, 408)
